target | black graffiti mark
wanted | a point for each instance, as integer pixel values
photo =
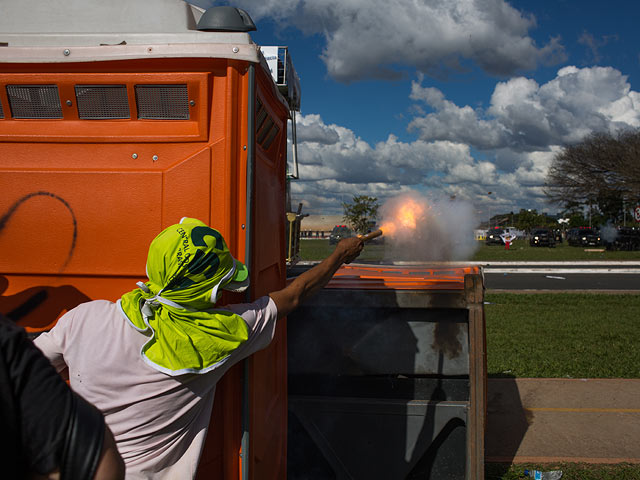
(12, 209)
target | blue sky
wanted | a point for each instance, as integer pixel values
(450, 97)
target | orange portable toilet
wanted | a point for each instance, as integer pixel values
(117, 119)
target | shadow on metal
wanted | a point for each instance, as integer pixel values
(39, 307)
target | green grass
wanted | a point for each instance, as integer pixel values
(570, 471)
(561, 335)
(520, 251)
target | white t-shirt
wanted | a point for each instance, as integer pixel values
(159, 422)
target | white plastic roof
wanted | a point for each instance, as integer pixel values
(89, 30)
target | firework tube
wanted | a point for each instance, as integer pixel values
(371, 235)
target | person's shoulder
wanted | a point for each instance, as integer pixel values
(260, 316)
(95, 310)
(257, 305)
(263, 308)
(95, 305)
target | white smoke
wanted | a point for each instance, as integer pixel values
(609, 233)
(443, 231)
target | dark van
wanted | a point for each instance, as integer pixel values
(583, 237)
(542, 237)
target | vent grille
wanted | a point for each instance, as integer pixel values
(100, 102)
(261, 115)
(162, 102)
(34, 101)
(266, 129)
(271, 137)
(262, 134)
(1, 111)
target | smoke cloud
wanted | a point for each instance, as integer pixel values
(609, 233)
(443, 229)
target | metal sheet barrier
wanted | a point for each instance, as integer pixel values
(387, 383)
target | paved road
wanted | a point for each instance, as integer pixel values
(600, 276)
(545, 420)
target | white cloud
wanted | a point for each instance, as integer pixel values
(450, 122)
(370, 38)
(564, 110)
(460, 150)
(331, 171)
(311, 129)
(524, 116)
(466, 152)
(481, 172)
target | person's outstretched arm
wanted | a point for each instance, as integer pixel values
(314, 279)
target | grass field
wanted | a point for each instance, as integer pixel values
(562, 335)
(570, 471)
(520, 251)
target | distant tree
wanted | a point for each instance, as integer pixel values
(599, 173)
(361, 212)
(527, 219)
(574, 211)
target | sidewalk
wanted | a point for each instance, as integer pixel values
(563, 420)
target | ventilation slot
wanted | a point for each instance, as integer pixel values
(261, 116)
(268, 125)
(1, 111)
(272, 135)
(162, 102)
(266, 129)
(34, 101)
(102, 102)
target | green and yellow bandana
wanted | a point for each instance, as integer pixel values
(187, 265)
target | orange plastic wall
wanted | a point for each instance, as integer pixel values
(78, 211)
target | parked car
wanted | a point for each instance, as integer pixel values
(339, 232)
(493, 237)
(542, 237)
(583, 237)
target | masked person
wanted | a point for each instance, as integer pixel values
(151, 361)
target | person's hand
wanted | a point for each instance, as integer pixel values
(349, 248)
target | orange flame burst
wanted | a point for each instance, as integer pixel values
(405, 218)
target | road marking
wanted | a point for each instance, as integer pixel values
(630, 263)
(488, 270)
(583, 410)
